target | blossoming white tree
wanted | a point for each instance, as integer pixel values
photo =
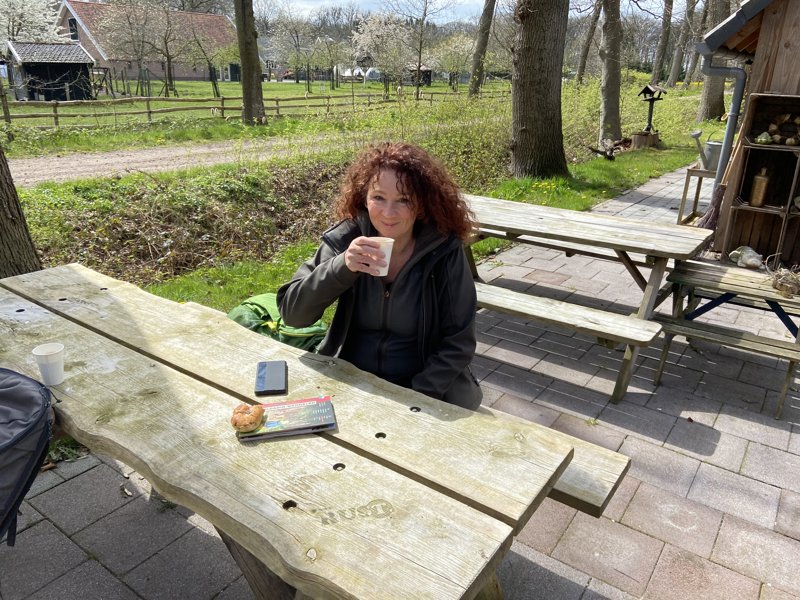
(386, 39)
(28, 20)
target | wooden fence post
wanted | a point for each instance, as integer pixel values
(149, 114)
(6, 112)
(55, 112)
(277, 107)
(222, 107)
(327, 105)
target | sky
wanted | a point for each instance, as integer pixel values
(462, 9)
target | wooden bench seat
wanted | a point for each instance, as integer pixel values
(607, 327)
(591, 321)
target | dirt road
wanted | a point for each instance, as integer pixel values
(30, 171)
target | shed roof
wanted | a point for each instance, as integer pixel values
(736, 36)
(61, 52)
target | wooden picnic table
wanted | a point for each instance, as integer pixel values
(569, 229)
(410, 498)
(699, 287)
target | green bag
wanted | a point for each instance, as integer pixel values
(260, 314)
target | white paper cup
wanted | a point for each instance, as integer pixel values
(50, 358)
(386, 245)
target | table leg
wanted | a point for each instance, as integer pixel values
(264, 584)
(645, 312)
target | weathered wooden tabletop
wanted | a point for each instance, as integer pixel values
(604, 231)
(411, 498)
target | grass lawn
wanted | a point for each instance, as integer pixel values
(220, 234)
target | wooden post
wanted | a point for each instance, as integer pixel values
(327, 105)
(149, 114)
(277, 107)
(222, 107)
(55, 112)
(6, 113)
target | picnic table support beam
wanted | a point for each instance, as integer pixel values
(635, 273)
(645, 312)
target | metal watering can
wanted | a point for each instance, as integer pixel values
(709, 155)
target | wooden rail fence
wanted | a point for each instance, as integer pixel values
(223, 107)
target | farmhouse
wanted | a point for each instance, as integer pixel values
(52, 71)
(195, 39)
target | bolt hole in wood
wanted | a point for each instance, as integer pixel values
(289, 504)
(415, 409)
(338, 467)
(62, 299)
(20, 310)
(103, 289)
(380, 435)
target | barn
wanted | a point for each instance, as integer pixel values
(49, 71)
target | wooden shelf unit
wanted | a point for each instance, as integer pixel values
(771, 229)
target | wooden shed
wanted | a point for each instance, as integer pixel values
(761, 202)
(49, 71)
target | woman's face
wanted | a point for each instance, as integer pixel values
(391, 211)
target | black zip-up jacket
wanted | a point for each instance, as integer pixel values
(436, 279)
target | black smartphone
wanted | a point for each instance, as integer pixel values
(271, 376)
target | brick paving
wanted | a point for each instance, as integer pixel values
(710, 508)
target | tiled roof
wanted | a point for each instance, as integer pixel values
(217, 29)
(67, 53)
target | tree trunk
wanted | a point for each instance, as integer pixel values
(537, 142)
(712, 101)
(683, 37)
(696, 55)
(479, 56)
(252, 97)
(663, 42)
(610, 55)
(587, 44)
(17, 252)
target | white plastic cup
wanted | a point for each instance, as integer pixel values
(386, 245)
(50, 358)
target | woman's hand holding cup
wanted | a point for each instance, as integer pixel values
(369, 255)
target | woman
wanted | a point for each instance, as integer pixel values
(416, 325)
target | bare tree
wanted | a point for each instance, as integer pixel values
(663, 42)
(132, 23)
(481, 43)
(169, 40)
(680, 46)
(296, 38)
(252, 94)
(219, 7)
(587, 43)
(610, 50)
(537, 143)
(712, 100)
(419, 14)
(695, 55)
(17, 252)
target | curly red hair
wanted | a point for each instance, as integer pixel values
(436, 196)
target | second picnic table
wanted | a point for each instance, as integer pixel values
(604, 236)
